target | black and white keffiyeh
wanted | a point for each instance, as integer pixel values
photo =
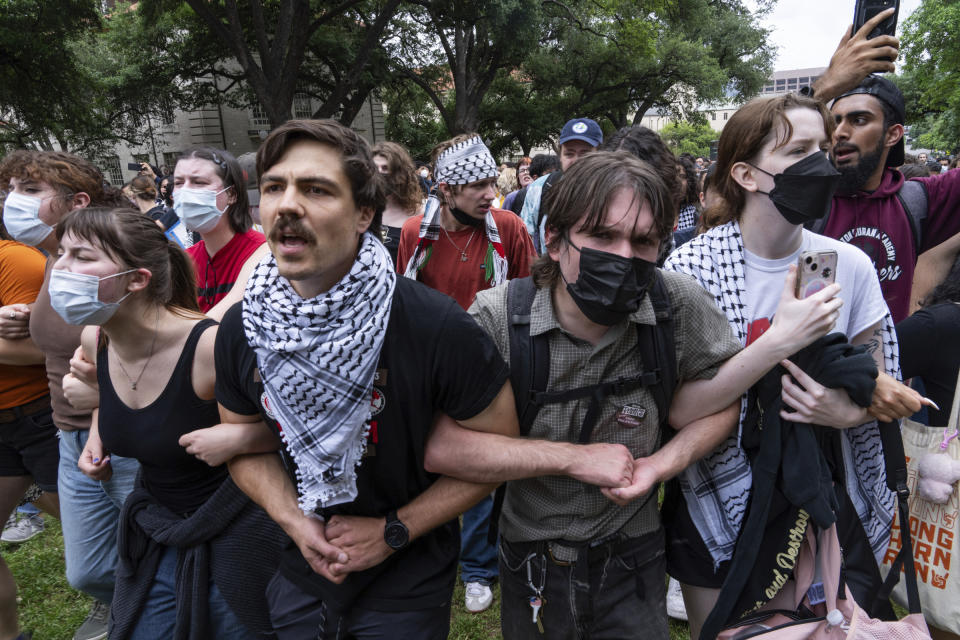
(717, 488)
(463, 163)
(317, 359)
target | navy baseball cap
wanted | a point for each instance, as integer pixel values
(887, 92)
(582, 129)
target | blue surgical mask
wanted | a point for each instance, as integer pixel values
(197, 208)
(76, 297)
(21, 217)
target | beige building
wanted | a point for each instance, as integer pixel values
(238, 131)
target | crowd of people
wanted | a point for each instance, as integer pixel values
(306, 425)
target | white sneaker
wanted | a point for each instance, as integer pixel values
(479, 597)
(23, 529)
(675, 607)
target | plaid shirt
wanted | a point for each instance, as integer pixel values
(561, 508)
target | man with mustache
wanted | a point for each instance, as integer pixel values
(347, 362)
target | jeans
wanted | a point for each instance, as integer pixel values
(89, 512)
(478, 558)
(297, 615)
(159, 614)
(613, 591)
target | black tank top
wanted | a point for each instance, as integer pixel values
(178, 480)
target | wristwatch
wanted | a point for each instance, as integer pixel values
(395, 533)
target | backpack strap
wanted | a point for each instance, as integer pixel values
(656, 345)
(529, 372)
(529, 355)
(913, 196)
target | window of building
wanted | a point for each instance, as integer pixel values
(713, 115)
(170, 159)
(167, 116)
(302, 108)
(781, 82)
(141, 157)
(258, 117)
(725, 115)
(111, 170)
(804, 80)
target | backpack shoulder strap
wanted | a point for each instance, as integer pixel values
(529, 355)
(913, 196)
(658, 348)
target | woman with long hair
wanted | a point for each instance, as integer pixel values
(772, 175)
(404, 196)
(185, 520)
(210, 197)
(44, 189)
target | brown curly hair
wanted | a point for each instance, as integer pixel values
(65, 172)
(401, 182)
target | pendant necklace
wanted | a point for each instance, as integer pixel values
(134, 383)
(463, 252)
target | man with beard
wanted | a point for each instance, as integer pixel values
(875, 209)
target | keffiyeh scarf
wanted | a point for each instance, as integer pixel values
(463, 163)
(717, 488)
(317, 358)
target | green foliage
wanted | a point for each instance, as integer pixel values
(689, 137)
(931, 74)
(411, 119)
(617, 58)
(42, 85)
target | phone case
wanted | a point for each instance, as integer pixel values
(866, 9)
(816, 270)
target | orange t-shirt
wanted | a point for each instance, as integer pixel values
(21, 276)
(446, 272)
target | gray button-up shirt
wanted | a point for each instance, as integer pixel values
(561, 508)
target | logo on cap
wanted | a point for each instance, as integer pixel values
(580, 127)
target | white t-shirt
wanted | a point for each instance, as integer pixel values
(863, 304)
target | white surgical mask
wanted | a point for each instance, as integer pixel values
(197, 208)
(21, 217)
(76, 297)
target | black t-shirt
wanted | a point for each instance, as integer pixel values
(434, 358)
(930, 348)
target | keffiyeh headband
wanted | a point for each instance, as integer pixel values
(463, 163)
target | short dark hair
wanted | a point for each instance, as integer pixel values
(356, 159)
(647, 145)
(544, 163)
(227, 167)
(583, 194)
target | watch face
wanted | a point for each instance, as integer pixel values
(396, 535)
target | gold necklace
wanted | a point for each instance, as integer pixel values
(463, 252)
(133, 383)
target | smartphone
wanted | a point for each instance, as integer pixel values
(816, 270)
(134, 166)
(864, 10)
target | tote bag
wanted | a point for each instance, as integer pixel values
(934, 528)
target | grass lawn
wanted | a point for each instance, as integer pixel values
(52, 610)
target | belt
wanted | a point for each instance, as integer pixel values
(34, 406)
(566, 552)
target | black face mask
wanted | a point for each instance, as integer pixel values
(465, 218)
(804, 190)
(610, 287)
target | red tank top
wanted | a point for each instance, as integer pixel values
(217, 275)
